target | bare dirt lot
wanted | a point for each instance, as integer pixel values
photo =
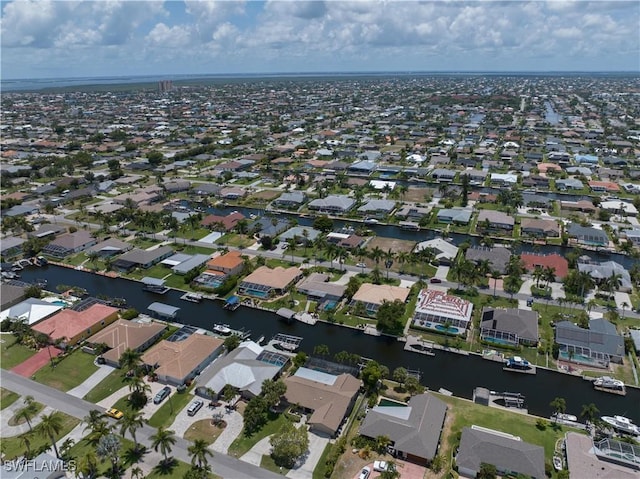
(396, 245)
(418, 194)
(266, 195)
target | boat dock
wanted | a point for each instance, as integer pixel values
(507, 400)
(154, 285)
(418, 345)
(232, 303)
(192, 297)
(530, 370)
(286, 314)
(285, 342)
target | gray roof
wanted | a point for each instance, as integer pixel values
(317, 284)
(112, 245)
(495, 217)
(10, 294)
(459, 215)
(291, 197)
(505, 453)
(11, 242)
(587, 233)
(333, 201)
(522, 322)
(601, 336)
(163, 309)
(498, 256)
(378, 205)
(298, 231)
(143, 256)
(414, 429)
(635, 336)
(600, 271)
(194, 261)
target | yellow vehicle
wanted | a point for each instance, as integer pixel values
(115, 413)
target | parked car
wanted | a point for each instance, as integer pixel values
(361, 265)
(194, 407)
(162, 394)
(380, 466)
(114, 413)
(435, 280)
(364, 474)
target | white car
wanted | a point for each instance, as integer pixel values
(364, 474)
(361, 265)
(380, 466)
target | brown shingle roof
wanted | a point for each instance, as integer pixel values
(123, 335)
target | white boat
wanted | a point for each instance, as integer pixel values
(609, 384)
(557, 463)
(222, 329)
(564, 417)
(193, 297)
(622, 424)
(517, 362)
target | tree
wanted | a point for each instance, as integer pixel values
(199, 453)
(589, 412)
(289, 445)
(109, 448)
(559, 406)
(49, 427)
(25, 440)
(321, 350)
(487, 471)
(390, 316)
(163, 440)
(352, 287)
(231, 342)
(400, 375)
(323, 223)
(28, 411)
(87, 466)
(131, 422)
(371, 375)
(300, 359)
(267, 242)
(130, 360)
(272, 391)
(228, 392)
(255, 415)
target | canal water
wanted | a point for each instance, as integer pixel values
(459, 374)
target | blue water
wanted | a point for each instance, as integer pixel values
(330, 305)
(499, 341)
(450, 329)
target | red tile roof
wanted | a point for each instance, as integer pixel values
(559, 263)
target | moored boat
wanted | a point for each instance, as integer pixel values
(610, 385)
(622, 424)
(222, 329)
(557, 463)
(516, 363)
(192, 297)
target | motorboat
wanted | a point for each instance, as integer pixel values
(564, 417)
(222, 329)
(192, 297)
(557, 463)
(516, 362)
(610, 385)
(622, 424)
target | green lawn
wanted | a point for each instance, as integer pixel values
(243, 443)
(69, 372)
(166, 414)
(179, 469)
(203, 430)
(12, 448)
(11, 353)
(269, 464)
(82, 447)
(105, 388)
(7, 398)
(320, 470)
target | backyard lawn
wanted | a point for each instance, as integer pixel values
(205, 430)
(243, 443)
(69, 372)
(105, 388)
(12, 353)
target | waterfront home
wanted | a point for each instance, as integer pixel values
(328, 398)
(598, 345)
(569, 184)
(269, 226)
(141, 258)
(30, 311)
(503, 179)
(498, 256)
(582, 205)
(539, 227)
(510, 326)
(318, 288)
(122, 335)
(412, 212)
(371, 296)
(232, 193)
(265, 282)
(11, 295)
(185, 265)
(70, 243)
(604, 270)
(110, 247)
(606, 458)
(229, 263)
(619, 207)
(601, 186)
(332, 204)
(377, 208)
(510, 455)
(222, 223)
(496, 220)
(178, 362)
(298, 232)
(632, 235)
(587, 235)
(245, 368)
(70, 327)
(445, 252)
(293, 199)
(443, 175)
(455, 215)
(559, 263)
(415, 428)
(11, 247)
(346, 240)
(439, 311)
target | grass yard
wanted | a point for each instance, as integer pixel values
(12, 447)
(82, 447)
(243, 443)
(105, 388)
(178, 469)
(269, 464)
(12, 353)
(69, 372)
(37, 409)
(204, 430)
(7, 398)
(166, 414)
(236, 240)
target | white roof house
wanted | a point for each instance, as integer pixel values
(439, 307)
(30, 311)
(444, 250)
(509, 178)
(380, 184)
(617, 205)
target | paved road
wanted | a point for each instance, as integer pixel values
(223, 465)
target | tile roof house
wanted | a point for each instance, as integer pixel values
(414, 429)
(601, 342)
(228, 263)
(435, 308)
(498, 256)
(69, 243)
(510, 455)
(581, 205)
(224, 223)
(373, 295)
(122, 335)
(329, 397)
(265, 282)
(599, 186)
(515, 326)
(540, 227)
(555, 261)
(495, 220)
(177, 362)
(71, 326)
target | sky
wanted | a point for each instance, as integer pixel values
(55, 39)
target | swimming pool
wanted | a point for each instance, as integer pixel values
(329, 305)
(386, 402)
(499, 341)
(450, 329)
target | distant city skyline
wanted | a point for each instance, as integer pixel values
(55, 39)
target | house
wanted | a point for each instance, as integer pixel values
(141, 258)
(362, 168)
(230, 263)
(222, 223)
(601, 459)
(269, 226)
(602, 271)
(414, 429)
(371, 296)
(122, 335)
(540, 228)
(587, 235)
(265, 282)
(69, 243)
(413, 213)
(178, 362)
(498, 256)
(10, 295)
(559, 263)
(382, 185)
(232, 193)
(632, 235)
(586, 159)
(293, 199)
(377, 208)
(333, 204)
(46, 230)
(71, 327)
(189, 264)
(346, 240)
(329, 398)
(439, 311)
(510, 455)
(503, 179)
(581, 205)
(619, 207)
(600, 186)
(455, 215)
(509, 325)
(30, 311)
(495, 220)
(301, 233)
(317, 287)
(569, 184)
(110, 247)
(445, 252)
(245, 368)
(598, 346)
(443, 175)
(11, 247)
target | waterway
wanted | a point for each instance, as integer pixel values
(550, 115)
(456, 373)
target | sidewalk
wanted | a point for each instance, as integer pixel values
(91, 382)
(261, 448)
(9, 412)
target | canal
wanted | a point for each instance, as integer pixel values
(457, 373)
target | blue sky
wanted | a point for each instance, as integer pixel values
(44, 39)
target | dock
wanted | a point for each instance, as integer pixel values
(530, 370)
(232, 303)
(154, 285)
(191, 297)
(286, 314)
(306, 318)
(286, 342)
(418, 345)
(508, 400)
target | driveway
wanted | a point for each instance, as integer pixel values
(442, 272)
(261, 448)
(317, 445)
(28, 367)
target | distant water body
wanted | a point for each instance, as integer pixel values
(66, 83)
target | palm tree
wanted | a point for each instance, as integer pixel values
(559, 405)
(589, 412)
(130, 360)
(28, 411)
(50, 427)
(93, 257)
(305, 235)
(495, 276)
(538, 274)
(549, 275)
(199, 453)
(87, 466)
(164, 439)
(624, 306)
(109, 447)
(131, 422)
(25, 440)
(137, 473)
(93, 420)
(389, 256)
(376, 254)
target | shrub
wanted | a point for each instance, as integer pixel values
(130, 313)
